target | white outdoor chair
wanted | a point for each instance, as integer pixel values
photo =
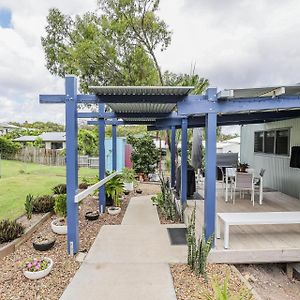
(243, 182)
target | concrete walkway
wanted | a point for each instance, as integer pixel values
(129, 261)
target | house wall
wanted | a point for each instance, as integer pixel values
(278, 173)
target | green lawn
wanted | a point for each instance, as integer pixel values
(19, 179)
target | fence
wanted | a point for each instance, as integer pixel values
(41, 156)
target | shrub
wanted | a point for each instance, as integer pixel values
(90, 180)
(10, 230)
(60, 189)
(83, 186)
(60, 205)
(128, 175)
(8, 148)
(43, 204)
(29, 206)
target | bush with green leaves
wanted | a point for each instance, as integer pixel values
(43, 204)
(144, 155)
(8, 148)
(198, 250)
(114, 189)
(128, 175)
(60, 189)
(29, 206)
(10, 230)
(90, 180)
(60, 205)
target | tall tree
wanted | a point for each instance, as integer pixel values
(114, 46)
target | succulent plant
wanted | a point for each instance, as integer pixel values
(10, 230)
(60, 189)
(29, 206)
(43, 204)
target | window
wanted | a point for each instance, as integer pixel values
(258, 141)
(282, 142)
(269, 142)
(272, 141)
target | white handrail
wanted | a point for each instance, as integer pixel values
(92, 188)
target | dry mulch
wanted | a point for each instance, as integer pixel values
(14, 285)
(188, 286)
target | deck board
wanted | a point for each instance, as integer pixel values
(259, 243)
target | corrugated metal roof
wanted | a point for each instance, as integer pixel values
(288, 90)
(53, 136)
(142, 107)
(141, 90)
(26, 138)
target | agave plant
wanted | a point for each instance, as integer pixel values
(10, 230)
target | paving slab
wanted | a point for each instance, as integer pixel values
(131, 260)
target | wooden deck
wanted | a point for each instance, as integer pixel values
(259, 243)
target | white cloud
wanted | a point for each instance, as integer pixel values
(233, 43)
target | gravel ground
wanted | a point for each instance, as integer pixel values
(190, 287)
(13, 284)
(271, 282)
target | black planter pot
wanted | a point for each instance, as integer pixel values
(92, 215)
(43, 246)
(109, 201)
(138, 191)
(126, 192)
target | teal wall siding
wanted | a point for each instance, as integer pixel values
(120, 154)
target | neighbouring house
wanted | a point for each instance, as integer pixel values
(51, 140)
(6, 128)
(231, 145)
(269, 146)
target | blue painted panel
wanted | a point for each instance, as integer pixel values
(183, 185)
(210, 174)
(120, 154)
(173, 148)
(71, 163)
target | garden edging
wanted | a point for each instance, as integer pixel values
(246, 282)
(12, 246)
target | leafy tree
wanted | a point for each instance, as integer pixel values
(8, 148)
(144, 156)
(40, 126)
(114, 47)
(87, 142)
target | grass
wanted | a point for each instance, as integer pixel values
(19, 179)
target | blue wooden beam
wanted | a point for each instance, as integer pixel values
(105, 115)
(107, 122)
(210, 174)
(71, 164)
(101, 145)
(192, 105)
(52, 99)
(114, 147)
(173, 155)
(184, 145)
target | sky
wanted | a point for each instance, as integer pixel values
(233, 43)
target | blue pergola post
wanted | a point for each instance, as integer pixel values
(183, 185)
(71, 163)
(114, 147)
(173, 149)
(210, 174)
(101, 145)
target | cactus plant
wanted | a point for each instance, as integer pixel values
(29, 206)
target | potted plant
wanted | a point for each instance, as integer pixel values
(92, 215)
(59, 225)
(242, 167)
(37, 268)
(114, 189)
(128, 176)
(138, 191)
(43, 243)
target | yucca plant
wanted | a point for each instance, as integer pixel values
(10, 230)
(29, 206)
(197, 250)
(114, 189)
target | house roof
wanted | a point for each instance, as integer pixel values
(46, 137)
(26, 138)
(6, 125)
(53, 136)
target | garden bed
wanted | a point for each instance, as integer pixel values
(189, 286)
(30, 226)
(13, 284)
(163, 219)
